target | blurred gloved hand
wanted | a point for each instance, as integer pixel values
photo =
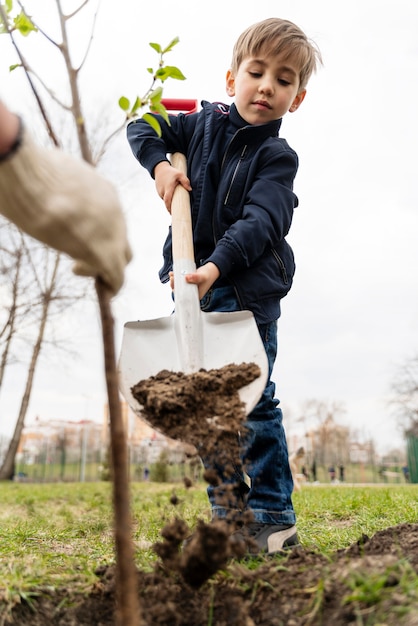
(65, 203)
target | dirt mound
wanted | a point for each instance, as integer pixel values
(298, 589)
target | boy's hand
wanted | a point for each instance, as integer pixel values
(166, 180)
(203, 277)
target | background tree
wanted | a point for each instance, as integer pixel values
(327, 441)
(405, 396)
(39, 291)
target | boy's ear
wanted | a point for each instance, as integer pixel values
(230, 84)
(297, 101)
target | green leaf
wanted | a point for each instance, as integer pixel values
(161, 110)
(150, 70)
(137, 105)
(156, 94)
(13, 67)
(171, 45)
(176, 73)
(9, 5)
(161, 74)
(169, 72)
(152, 122)
(124, 103)
(156, 47)
(24, 24)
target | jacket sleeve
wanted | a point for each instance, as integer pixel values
(149, 149)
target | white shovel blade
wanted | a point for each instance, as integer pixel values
(228, 338)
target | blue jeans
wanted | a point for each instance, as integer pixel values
(264, 453)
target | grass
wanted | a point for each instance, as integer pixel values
(56, 535)
(330, 518)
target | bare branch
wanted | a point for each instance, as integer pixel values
(49, 91)
(43, 33)
(405, 396)
(6, 470)
(75, 95)
(82, 5)
(32, 86)
(106, 142)
(93, 28)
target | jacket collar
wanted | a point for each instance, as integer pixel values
(271, 129)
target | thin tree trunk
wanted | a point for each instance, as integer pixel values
(8, 467)
(9, 326)
(127, 601)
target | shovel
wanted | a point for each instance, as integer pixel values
(190, 340)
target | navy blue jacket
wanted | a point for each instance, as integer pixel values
(242, 198)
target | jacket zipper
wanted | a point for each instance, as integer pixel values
(281, 265)
(244, 150)
(232, 181)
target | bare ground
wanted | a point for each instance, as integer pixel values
(298, 589)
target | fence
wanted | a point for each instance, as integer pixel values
(412, 455)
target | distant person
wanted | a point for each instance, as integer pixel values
(331, 472)
(240, 178)
(405, 471)
(63, 202)
(341, 469)
(294, 460)
(146, 473)
(382, 473)
(313, 470)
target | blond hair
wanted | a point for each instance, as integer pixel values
(275, 36)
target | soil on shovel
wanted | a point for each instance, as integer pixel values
(197, 408)
(206, 580)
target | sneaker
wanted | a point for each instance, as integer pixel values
(270, 538)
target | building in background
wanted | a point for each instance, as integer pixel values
(74, 447)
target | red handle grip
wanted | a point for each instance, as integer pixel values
(180, 105)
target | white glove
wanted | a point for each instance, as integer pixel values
(65, 203)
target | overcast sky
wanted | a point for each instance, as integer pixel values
(351, 318)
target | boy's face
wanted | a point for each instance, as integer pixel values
(265, 88)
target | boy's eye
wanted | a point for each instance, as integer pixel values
(284, 82)
(255, 74)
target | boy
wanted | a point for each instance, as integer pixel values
(240, 178)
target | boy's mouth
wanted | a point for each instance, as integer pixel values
(262, 104)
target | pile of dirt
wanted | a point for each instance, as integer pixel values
(298, 589)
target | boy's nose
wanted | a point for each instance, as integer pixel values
(266, 87)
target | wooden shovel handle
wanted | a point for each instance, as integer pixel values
(181, 218)
(187, 319)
